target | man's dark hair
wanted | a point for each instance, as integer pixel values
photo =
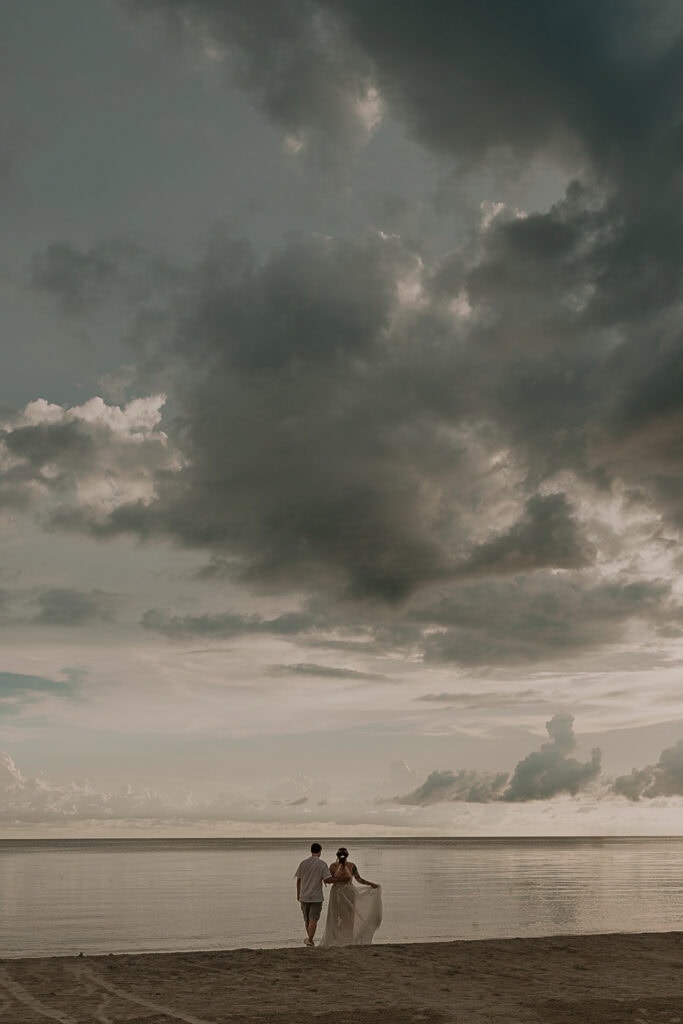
(316, 848)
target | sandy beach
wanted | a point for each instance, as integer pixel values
(594, 979)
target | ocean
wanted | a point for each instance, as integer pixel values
(62, 897)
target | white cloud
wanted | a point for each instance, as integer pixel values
(135, 422)
(489, 211)
(95, 457)
(370, 109)
(293, 144)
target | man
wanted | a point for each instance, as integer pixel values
(310, 876)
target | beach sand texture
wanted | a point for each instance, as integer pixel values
(588, 979)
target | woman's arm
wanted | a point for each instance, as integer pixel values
(362, 881)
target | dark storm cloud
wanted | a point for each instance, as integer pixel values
(466, 77)
(63, 606)
(363, 422)
(301, 462)
(331, 443)
(535, 617)
(581, 320)
(576, 300)
(291, 58)
(541, 775)
(470, 77)
(546, 535)
(662, 779)
(311, 447)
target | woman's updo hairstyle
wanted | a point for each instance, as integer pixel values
(342, 854)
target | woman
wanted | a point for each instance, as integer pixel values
(353, 914)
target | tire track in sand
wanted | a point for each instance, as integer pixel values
(82, 972)
(100, 1015)
(22, 995)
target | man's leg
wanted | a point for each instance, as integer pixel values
(314, 910)
(308, 920)
(305, 907)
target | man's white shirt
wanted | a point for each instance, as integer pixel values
(311, 873)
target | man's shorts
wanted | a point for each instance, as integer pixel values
(311, 911)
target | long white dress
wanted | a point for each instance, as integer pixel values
(354, 913)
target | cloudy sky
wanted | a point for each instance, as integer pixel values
(341, 417)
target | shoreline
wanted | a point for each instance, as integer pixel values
(524, 838)
(563, 979)
(569, 937)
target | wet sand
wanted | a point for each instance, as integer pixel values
(587, 979)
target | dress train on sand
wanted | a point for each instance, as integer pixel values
(354, 913)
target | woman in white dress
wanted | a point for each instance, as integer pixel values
(353, 914)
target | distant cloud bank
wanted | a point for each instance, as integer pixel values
(543, 775)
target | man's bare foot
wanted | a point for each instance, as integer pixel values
(309, 942)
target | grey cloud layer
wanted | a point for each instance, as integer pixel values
(58, 606)
(535, 616)
(225, 626)
(491, 699)
(466, 77)
(514, 622)
(64, 606)
(662, 779)
(295, 61)
(82, 279)
(331, 439)
(366, 422)
(465, 784)
(541, 775)
(570, 296)
(548, 772)
(306, 668)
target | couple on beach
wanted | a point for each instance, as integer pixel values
(353, 914)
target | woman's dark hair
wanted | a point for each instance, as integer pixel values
(342, 854)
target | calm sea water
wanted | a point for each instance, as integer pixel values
(102, 896)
